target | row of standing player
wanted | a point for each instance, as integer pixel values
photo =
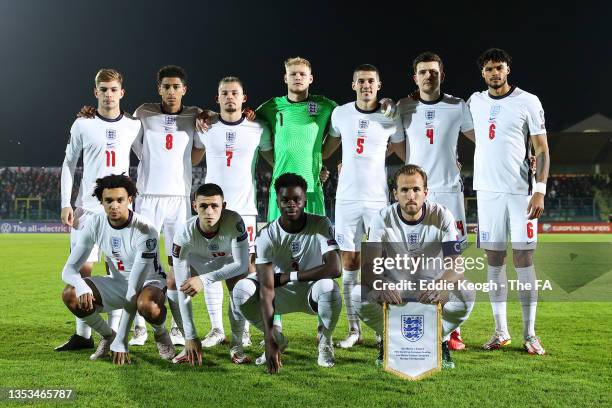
(430, 117)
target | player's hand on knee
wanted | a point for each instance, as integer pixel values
(391, 297)
(86, 302)
(192, 286)
(536, 206)
(205, 120)
(249, 114)
(87, 112)
(67, 216)
(433, 296)
(193, 349)
(324, 175)
(120, 358)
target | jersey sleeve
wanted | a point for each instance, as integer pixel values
(265, 141)
(398, 136)
(78, 256)
(450, 238)
(264, 247)
(73, 152)
(267, 113)
(535, 116)
(466, 118)
(325, 236)
(240, 253)
(334, 128)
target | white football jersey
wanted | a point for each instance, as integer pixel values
(503, 126)
(432, 129)
(121, 245)
(231, 156)
(432, 236)
(105, 145)
(299, 251)
(165, 150)
(209, 253)
(365, 136)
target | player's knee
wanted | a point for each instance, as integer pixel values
(326, 287)
(496, 258)
(351, 260)
(522, 258)
(70, 299)
(243, 291)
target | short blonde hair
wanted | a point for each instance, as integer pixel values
(297, 61)
(108, 75)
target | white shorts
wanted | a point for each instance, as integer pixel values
(165, 212)
(503, 213)
(81, 217)
(250, 222)
(113, 289)
(291, 298)
(353, 219)
(455, 202)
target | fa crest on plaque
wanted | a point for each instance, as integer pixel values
(413, 338)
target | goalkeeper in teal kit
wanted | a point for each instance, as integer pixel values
(299, 122)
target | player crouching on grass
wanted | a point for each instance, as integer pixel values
(297, 262)
(136, 280)
(214, 243)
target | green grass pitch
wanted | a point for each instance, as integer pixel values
(575, 372)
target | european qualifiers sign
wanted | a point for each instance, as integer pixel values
(413, 340)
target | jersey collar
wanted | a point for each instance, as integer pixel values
(161, 108)
(129, 220)
(432, 102)
(512, 88)
(204, 234)
(117, 119)
(239, 121)
(405, 221)
(368, 111)
(296, 232)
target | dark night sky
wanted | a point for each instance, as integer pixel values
(51, 50)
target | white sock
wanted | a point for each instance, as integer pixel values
(114, 317)
(173, 300)
(139, 321)
(498, 297)
(96, 322)
(371, 313)
(246, 302)
(213, 293)
(326, 294)
(529, 299)
(82, 329)
(237, 322)
(349, 280)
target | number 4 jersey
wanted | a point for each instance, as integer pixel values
(231, 156)
(365, 135)
(105, 144)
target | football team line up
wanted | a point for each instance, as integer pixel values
(292, 263)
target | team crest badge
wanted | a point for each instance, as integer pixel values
(430, 114)
(213, 247)
(313, 108)
(494, 111)
(295, 247)
(230, 137)
(115, 244)
(151, 244)
(364, 123)
(170, 120)
(111, 134)
(412, 327)
(413, 238)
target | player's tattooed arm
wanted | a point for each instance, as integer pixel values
(265, 276)
(542, 157)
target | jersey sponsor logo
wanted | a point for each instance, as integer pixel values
(176, 250)
(412, 327)
(364, 123)
(313, 108)
(213, 247)
(430, 114)
(295, 247)
(111, 134)
(115, 244)
(151, 244)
